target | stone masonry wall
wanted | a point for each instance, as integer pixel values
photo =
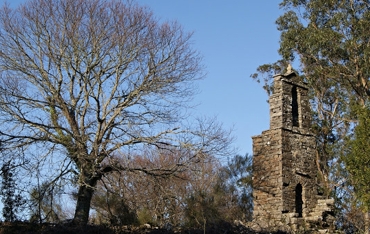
(267, 174)
(298, 168)
(284, 166)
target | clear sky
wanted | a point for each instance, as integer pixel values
(234, 37)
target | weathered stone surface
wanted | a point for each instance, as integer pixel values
(284, 167)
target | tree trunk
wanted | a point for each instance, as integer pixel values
(84, 196)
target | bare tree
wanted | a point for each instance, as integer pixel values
(155, 198)
(90, 78)
(158, 200)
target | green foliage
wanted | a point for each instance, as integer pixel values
(45, 207)
(236, 179)
(265, 73)
(357, 157)
(113, 209)
(12, 201)
(145, 216)
(330, 39)
(239, 171)
(202, 210)
(229, 199)
(328, 44)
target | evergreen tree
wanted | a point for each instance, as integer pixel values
(237, 180)
(357, 159)
(44, 203)
(12, 200)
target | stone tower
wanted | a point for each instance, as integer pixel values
(284, 165)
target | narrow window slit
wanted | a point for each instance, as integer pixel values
(298, 200)
(295, 107)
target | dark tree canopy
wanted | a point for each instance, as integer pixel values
(11, 199)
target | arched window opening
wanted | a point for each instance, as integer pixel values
(295, 106)
(298, 200)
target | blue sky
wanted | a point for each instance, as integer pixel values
(234, 37)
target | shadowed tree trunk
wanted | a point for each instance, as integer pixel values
(84, 196)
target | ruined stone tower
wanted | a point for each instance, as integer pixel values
(284, 166)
